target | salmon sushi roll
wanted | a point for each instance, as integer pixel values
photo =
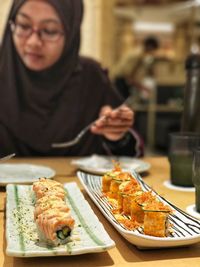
(52, 214)
(54, 226)
(49, 202)
(46, 186)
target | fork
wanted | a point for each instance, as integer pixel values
(7, 157)
(75, 140)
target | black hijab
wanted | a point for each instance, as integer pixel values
(31, 105)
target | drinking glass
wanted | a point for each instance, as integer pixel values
(181, 150)
(196, 177)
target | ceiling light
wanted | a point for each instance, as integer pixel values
(141, 26)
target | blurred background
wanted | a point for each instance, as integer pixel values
(114, 32)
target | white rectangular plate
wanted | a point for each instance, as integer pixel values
(186, 229)
(88, 236)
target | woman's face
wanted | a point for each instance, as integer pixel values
(38, 34)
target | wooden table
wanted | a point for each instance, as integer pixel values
(124, 254)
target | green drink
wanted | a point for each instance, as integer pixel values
(197, 198)
(181, 150)
(196, 177)
(181, 169)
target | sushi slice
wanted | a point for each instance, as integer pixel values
(156, 219)
(139, 201)
(117, 181)
(49, 202)
(107, 179)
(137, 213)
(54, 226)
(48, 187)
(127, 191)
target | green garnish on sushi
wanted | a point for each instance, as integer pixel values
(65, 232)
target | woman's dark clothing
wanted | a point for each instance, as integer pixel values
(41, 108)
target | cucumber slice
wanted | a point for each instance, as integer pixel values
(60, 235)
(165, 211)
(65, 232)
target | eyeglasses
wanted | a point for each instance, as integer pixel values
(25, 30)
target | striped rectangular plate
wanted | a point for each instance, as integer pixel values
(88, 236)
(185, 229)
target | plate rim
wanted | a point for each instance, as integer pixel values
(28, 181)
(146, 165)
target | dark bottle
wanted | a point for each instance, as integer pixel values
(191, 104)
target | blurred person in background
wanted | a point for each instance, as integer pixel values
(135, 73)
(49, 93)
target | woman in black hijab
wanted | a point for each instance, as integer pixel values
(48, 93)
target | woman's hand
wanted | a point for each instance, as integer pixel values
(113, 124)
